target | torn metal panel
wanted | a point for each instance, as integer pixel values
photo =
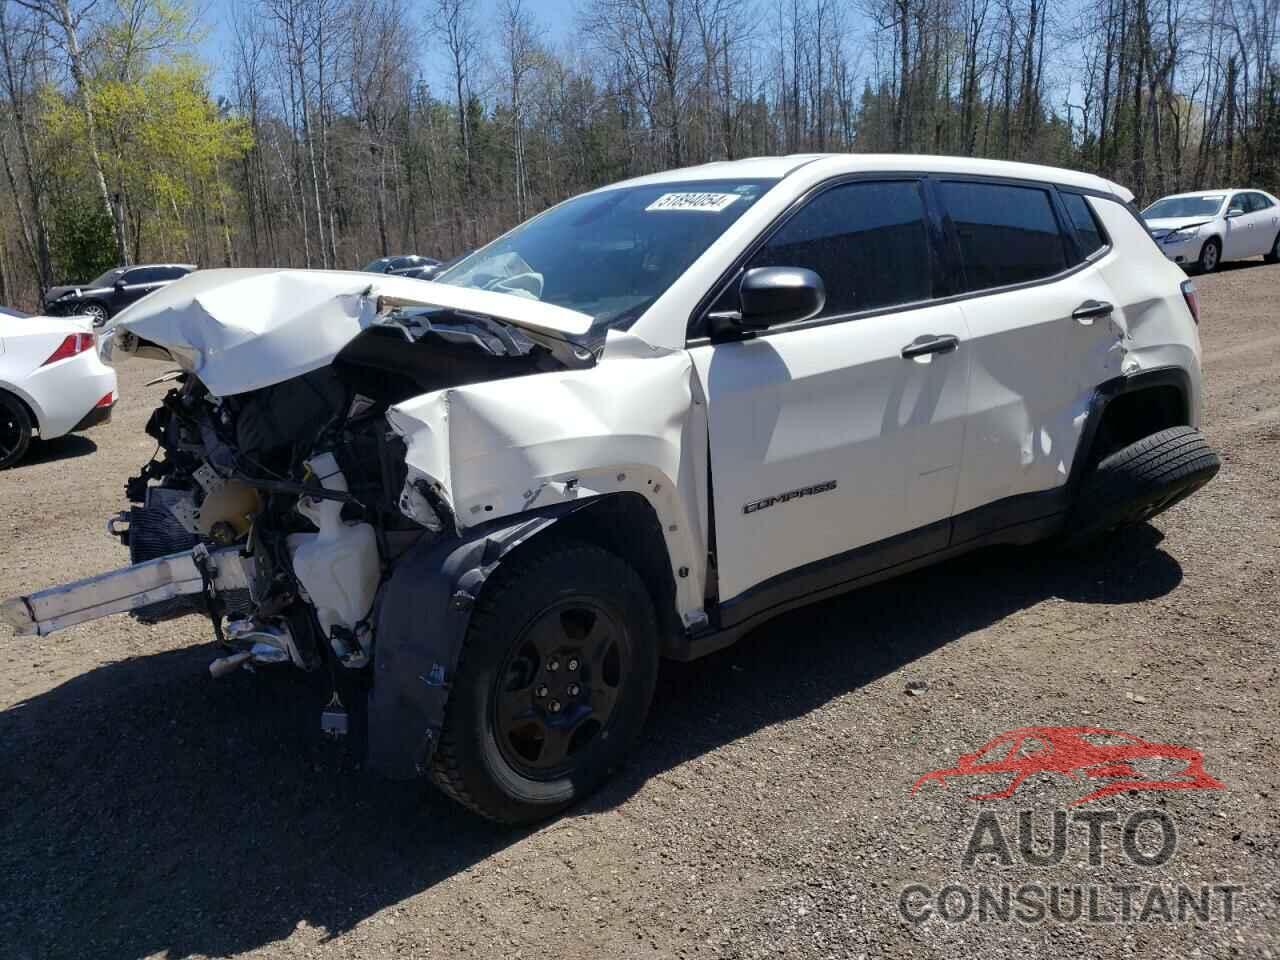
(129, 588)
(1155, 332)
(243, 329)
(496, 449)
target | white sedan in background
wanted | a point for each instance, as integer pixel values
(52, 381)
(1202, 229)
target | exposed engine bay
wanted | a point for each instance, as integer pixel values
(307, 480)
(341, 463)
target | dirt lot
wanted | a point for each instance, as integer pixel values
(149, 811)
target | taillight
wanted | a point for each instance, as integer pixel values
(1193, 300)
(107, 400)
(73, 343)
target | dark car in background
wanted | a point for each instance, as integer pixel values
(113, 291)
(408, 265)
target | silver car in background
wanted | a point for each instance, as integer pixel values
(1200, 230)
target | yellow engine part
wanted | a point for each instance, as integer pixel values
(234, 504)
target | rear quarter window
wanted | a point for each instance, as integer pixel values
(1090, 236)
(1007, 234)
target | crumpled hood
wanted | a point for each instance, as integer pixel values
(243, 329)
(1163, 225)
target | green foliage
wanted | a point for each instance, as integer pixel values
(82, 245)
(163, 142)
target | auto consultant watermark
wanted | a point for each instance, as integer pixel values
(1024, 842)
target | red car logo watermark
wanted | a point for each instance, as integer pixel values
(1089, 753)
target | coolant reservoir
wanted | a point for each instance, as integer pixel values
(339, 566)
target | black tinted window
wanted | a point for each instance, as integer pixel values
(867, 241)
(1258, 202)
(1088, 232)
(1007, 234)
(172, 273)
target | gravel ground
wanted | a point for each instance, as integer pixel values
(149, 811)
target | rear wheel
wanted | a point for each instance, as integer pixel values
(555, 681)
(1273, 255)
(1139, 481)
(1210, 256)
(15, 430)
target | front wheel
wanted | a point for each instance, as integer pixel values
(1210, 256)
(15, 430)
(554, 684)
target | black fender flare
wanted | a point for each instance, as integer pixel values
(1105, 392)
(422, 620)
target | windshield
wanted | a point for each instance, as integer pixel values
(609, 254)
(1184, 207)
(107, 279)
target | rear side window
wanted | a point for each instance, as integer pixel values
(1088, 231)
(1007, 234)
(171, 273)
(867, 241)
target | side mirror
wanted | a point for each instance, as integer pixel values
(1235, 212)
(773, 295)
(119, 284)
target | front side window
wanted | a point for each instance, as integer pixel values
(867, 241)
(107, 279)
(1007, 234)
(1088, 232)
(612, 253)
(1257, 202)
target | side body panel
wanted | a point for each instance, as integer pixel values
(825, 438)
(1237, 235)
(1262, 223)
(1158, 328)
(1035, 369)
(634, 423)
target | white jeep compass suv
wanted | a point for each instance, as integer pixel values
(636, 426)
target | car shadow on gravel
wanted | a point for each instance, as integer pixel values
(1233, 265)
(69, 447)
(148, 810)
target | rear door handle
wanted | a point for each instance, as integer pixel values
(930, 343)
(1091, 310)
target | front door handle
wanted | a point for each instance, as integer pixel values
(930, 343)
(1091, 310)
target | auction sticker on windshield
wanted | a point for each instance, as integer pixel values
(697, 202)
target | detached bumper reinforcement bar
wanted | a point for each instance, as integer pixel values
(43, 613)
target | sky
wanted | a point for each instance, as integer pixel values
(556, 17)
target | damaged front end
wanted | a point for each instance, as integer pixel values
(279, 502)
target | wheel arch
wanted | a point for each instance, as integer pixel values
(1130, 407)
(438, 583)
(34, 410)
